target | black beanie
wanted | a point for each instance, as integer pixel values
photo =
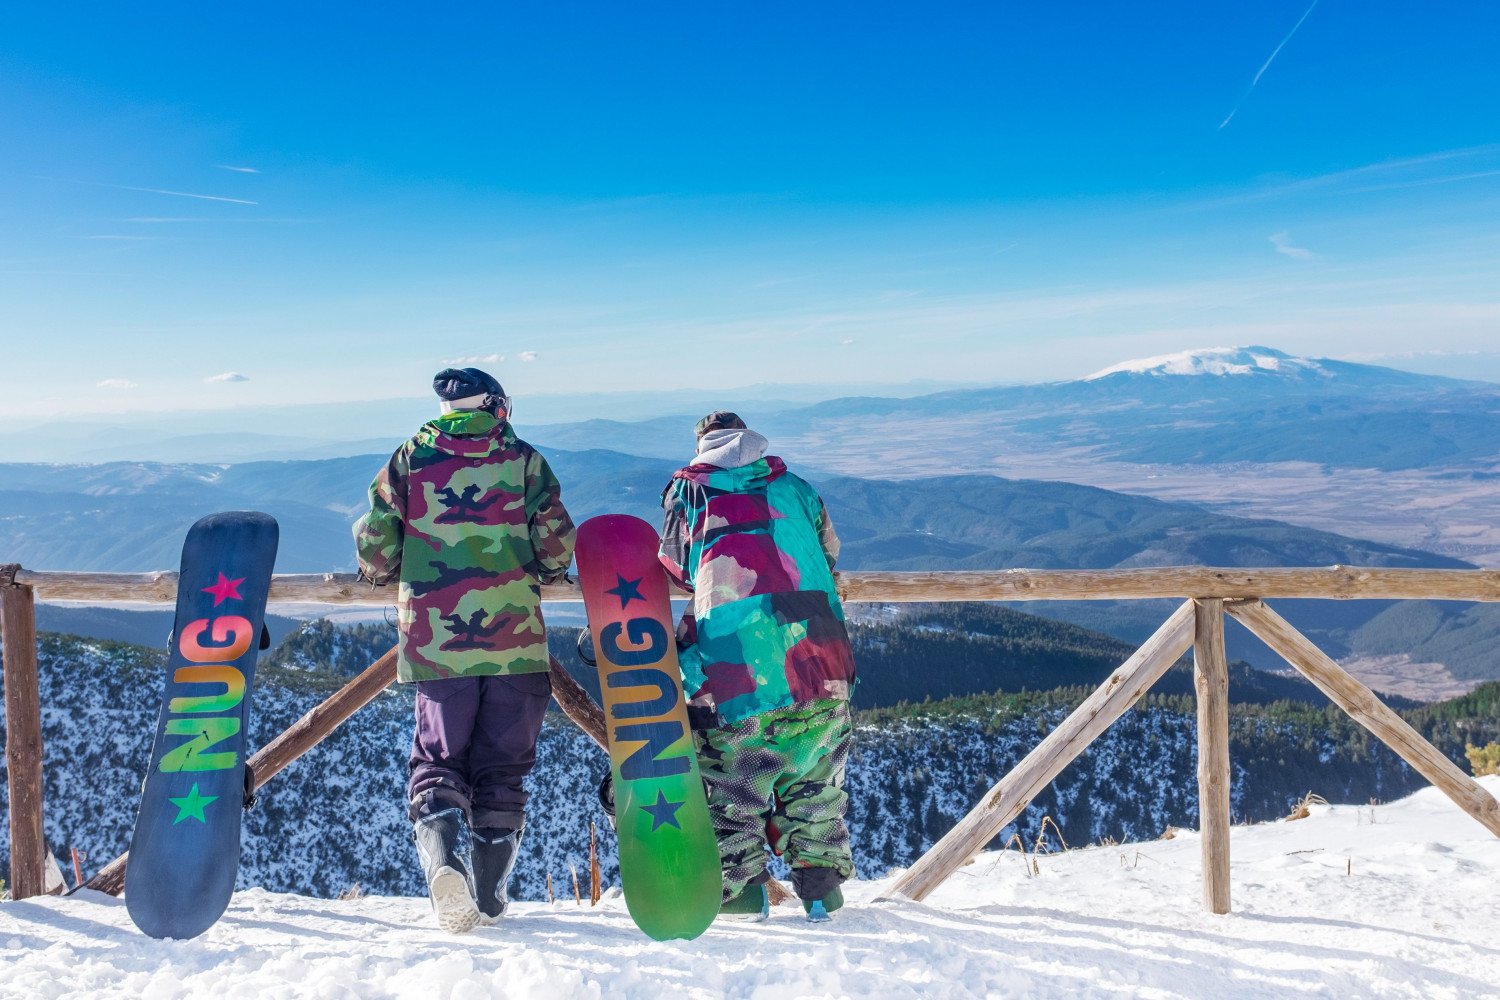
(461, 383)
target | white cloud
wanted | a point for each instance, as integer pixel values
(528, 355)
(114, 383)
(228, 377)
(475, 359)
(847, 341)
(1282, 241)
(238, 170)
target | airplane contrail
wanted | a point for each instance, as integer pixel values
(1267, 65)
(126, 187)
(184, 194)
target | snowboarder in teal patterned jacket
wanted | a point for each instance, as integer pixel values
(469, 520)
(766, 664)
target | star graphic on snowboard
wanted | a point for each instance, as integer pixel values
(192, 804)
(627, 590)
(663, 812)
(225, 589)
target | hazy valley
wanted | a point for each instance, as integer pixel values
(1282, 461)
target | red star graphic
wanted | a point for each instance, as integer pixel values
(225, 589)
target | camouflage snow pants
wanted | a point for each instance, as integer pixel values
(777, 779)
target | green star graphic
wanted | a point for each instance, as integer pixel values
(192, 804)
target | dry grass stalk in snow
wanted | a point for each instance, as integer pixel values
(1303, 808)
(1041, 837)
(1028, 862)
(593, 865)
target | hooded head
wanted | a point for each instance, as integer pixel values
(725, 441)
(470, 389)
(717, 421)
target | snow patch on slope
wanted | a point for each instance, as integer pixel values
(1220, 361)
(1393, 900)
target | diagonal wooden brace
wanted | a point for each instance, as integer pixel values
(1368, 710)
(1062, 746)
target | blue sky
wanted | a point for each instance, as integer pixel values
(333, 204)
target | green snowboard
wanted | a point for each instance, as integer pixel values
(669, 860)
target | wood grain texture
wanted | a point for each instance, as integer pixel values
(1334, 582)
(23, 742)
(1211, 679)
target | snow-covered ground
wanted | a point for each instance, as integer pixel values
(1395, 900)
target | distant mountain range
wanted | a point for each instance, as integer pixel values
(1411, 460)
(1408, 459)
(130, 517)
(334, 430)
(1221, 405)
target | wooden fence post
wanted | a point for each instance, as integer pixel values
(1368, 710)
(23, 737)
(1211, 679)
(1015, 791)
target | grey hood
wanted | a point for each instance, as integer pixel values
(730, 448)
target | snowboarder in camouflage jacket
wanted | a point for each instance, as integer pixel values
(766, 664)
(469, 519)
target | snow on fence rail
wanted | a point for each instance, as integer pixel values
(1197, 624)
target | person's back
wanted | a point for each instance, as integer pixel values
(766, 663)
(463, 526)
(470, 520)
(752, 543)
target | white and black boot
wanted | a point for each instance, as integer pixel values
(494, 853)
(439, 837)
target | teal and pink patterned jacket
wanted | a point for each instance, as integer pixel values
(756, 548)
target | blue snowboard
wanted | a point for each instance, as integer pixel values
(185, 853)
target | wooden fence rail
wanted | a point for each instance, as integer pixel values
(1181, 582)
(1197, 624)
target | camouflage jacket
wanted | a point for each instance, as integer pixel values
(470, 519)
(756, 548)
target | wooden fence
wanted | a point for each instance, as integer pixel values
(1197, 624)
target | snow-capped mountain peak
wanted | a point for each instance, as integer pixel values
(1220, 361)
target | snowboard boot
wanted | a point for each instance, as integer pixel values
(438, 836)
(494, 854)
(751, 904)
(819, 890)
(822, 910)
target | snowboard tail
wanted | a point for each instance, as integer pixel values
(669, 859)
(184, 854)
